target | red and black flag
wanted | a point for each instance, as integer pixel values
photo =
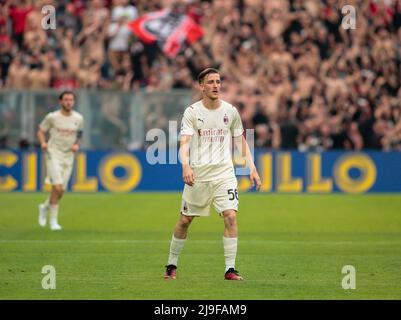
(171, 30)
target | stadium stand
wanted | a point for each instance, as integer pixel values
(297, 76)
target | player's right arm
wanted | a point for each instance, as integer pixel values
(187, 172)
(187, 131)
(43, 128)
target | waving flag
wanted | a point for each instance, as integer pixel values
(169, 29)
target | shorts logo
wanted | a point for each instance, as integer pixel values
(185, 208)
(225, 119)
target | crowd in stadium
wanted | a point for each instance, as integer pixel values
(299, 78)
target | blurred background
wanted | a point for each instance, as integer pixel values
(299, 78)
(307, 76)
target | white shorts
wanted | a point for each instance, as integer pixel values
(57, 171)
(196, 200)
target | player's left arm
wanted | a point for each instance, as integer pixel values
(243, 147)
(75, 147)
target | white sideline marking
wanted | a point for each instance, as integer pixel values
(256, 242)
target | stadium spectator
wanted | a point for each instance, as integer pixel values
(122, 8)
(63, 79)
(70, 49)
(17, 73)
(119, 35)
(100, 13)
(18, 12)
(5, 53)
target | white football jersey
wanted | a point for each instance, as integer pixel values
(211, 143)
(63, 131)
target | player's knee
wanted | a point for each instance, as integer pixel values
(230, 218)
(185, 221)
(58, 190)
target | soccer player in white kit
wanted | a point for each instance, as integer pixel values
(207, 129)
(65, 130)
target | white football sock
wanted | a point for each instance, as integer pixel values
(47, 203)
(230, 251)
(176, 246)
(53, 213)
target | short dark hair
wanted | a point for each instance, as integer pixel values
(60, 97)
(205, 72)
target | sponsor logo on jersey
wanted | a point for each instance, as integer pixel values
(65, 132)
(225, 119)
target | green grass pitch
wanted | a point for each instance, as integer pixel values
(114, 246)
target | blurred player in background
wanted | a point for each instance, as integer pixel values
(207, 129)
(65, 130)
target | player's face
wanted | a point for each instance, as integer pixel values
(67, 102)
(211, 86)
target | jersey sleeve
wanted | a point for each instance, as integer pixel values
(187, 125)
(46, 123)
(236, 126)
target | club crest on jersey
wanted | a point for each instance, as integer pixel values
(225, 119)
